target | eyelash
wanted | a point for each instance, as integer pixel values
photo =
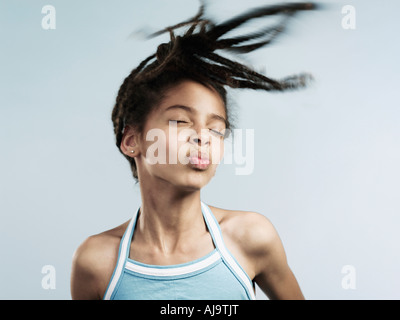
(217, 132)
(212, 130)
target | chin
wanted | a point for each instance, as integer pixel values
(193, 180)
(185, 178)
(194, 183)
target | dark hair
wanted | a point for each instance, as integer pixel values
(192, 57)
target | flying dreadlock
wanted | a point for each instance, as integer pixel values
(193, 56)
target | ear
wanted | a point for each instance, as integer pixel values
(129, 144)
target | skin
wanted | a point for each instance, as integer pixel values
(170, 227)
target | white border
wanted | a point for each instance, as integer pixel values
(121, 259)
(216, 233)
(225, 253)
(173, 271)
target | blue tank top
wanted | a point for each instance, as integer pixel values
(216, 276)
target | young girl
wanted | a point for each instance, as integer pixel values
(176, 246)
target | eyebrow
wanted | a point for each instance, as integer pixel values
(191, 110)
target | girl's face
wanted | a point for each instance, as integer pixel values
(183, 138)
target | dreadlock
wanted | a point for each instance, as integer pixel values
(193, 56)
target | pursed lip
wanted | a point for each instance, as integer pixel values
(199, 160)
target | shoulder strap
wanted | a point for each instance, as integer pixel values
(231, 262)
(123, 254)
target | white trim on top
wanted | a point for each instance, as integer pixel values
(121, 259)
(225, 253)
(165, 271)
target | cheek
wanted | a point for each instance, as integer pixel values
(154, 147)
(177, 149)
(165, 147)
(217, 150)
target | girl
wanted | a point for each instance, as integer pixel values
(176, 246)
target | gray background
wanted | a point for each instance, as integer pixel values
(326, 159)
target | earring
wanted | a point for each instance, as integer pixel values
(132, 151)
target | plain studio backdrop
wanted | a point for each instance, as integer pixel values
(326, 159)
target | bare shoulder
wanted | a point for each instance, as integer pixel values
(93, 263)
(100, 247)
(250, 228)
(250, 236)
(256, 245)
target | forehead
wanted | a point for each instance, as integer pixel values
(195, 95)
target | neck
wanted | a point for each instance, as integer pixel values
(169, 216)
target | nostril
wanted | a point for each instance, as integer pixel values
(200, 140)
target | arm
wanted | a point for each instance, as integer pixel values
(92, 267)
(275, 277)
(83, 278)
(272, 272)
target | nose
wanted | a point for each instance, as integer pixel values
(202, 139)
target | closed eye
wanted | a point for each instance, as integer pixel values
(178, 121)
(214, 131)
(221, 134)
